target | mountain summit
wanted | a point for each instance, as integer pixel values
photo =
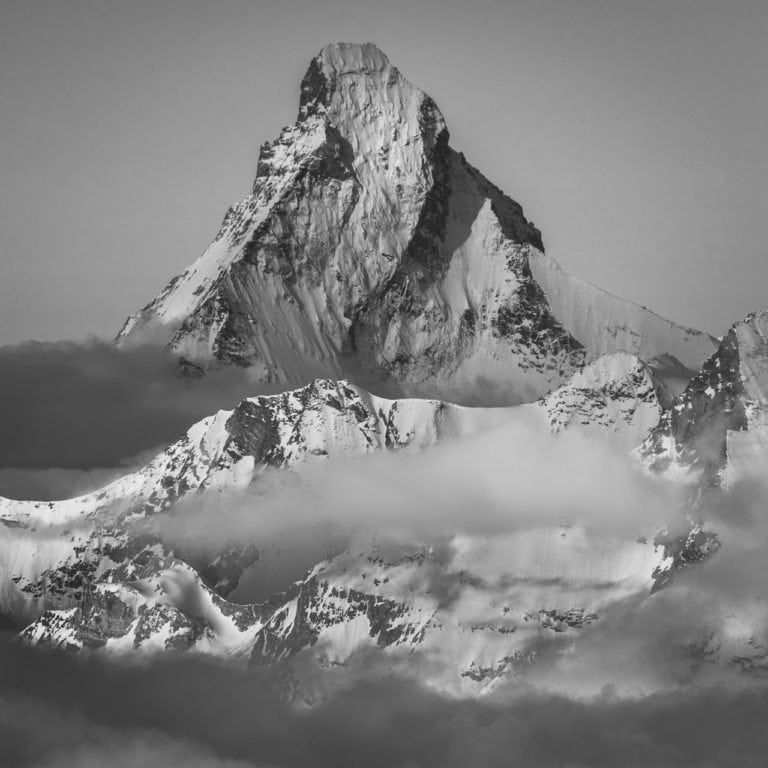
(369, 247)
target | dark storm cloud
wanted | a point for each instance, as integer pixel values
(78, 406)
(187, 711)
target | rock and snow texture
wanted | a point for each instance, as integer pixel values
(369, 246)
(48, 544)
(717, 430)
(90, 575)
(616, 396)
(324, 419)
(49, 549)
(476, 609)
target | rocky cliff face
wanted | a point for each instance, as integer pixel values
(616, 396)
(369, 246)
(715, 431)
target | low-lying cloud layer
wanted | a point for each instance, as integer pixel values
(68, 406)
(497, 481)
(493, 484)
(61, 711)
(500, 484)
(618, 692)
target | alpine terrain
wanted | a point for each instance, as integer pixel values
(370, 259)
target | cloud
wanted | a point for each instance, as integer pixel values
(500, 484)
(618, 692)
(82, 406)
(494, 483)
(499, 480)
(62, 711)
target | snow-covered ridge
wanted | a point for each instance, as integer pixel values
(323, 419)
(370, 609)
(604, 323)
(49, 548)
(326, 419)
(369, 245)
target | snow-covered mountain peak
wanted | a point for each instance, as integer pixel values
(340, 66)
(391, 126)
(352, 83)
(369, 246)
(717, 429)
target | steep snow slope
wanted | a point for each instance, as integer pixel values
(369, 245)
(717, 430)
(604, 323)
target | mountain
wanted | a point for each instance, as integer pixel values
(370, 251)
(368, 247)
(716, 431)
(478, 607)
(51, 549)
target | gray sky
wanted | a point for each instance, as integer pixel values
(633, 133)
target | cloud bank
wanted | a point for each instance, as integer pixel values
(74, 407)
(61, 711)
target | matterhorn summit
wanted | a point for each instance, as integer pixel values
(368, 247)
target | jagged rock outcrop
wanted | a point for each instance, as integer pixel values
(717, 430)
(617, 395)
(368, 246)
